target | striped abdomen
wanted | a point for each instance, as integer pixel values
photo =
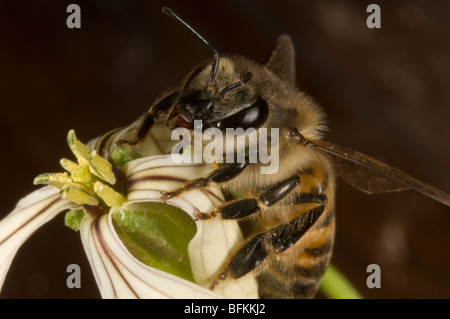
(296, 271)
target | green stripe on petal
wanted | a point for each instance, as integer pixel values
(214, 240)
(120, 275)
(158, 235)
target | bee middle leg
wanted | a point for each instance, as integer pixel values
(241, 208)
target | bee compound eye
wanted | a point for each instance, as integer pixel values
(253, 116)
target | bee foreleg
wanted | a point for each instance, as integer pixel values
(145, 125)
(148, 118)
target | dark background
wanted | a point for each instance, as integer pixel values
(386, 92)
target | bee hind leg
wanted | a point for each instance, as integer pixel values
(254, 251)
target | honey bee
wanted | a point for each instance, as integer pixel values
(288, 217)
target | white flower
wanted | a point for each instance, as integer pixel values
(100, 196)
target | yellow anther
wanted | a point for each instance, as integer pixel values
(101, 167)
(82, 175)
(68, 165)
(58, 180)
(80, 184)
(80, 150)
(109, 196)
(79, 196)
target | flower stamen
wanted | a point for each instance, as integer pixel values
(109, 196)
(86, 182)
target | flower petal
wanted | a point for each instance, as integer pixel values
(214, 240)
(157, 141)
(120, 275)
(209, 250)
(31, 212)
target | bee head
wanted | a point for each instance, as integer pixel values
(218, 92)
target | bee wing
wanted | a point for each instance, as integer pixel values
(281, 60)
(371, 176)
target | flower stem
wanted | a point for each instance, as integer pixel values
(336, 286)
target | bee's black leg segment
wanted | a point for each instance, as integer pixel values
(301, 198)
(277, 240)
(279, 191)
(227, 172)
(145, 127)
(241, 208)
(147, 120)
(286, 235)
(248, 257)
(238, 208)
(162, 107)
(218, 176)
(159, 109)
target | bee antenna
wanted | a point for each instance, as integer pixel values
(175, 16)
